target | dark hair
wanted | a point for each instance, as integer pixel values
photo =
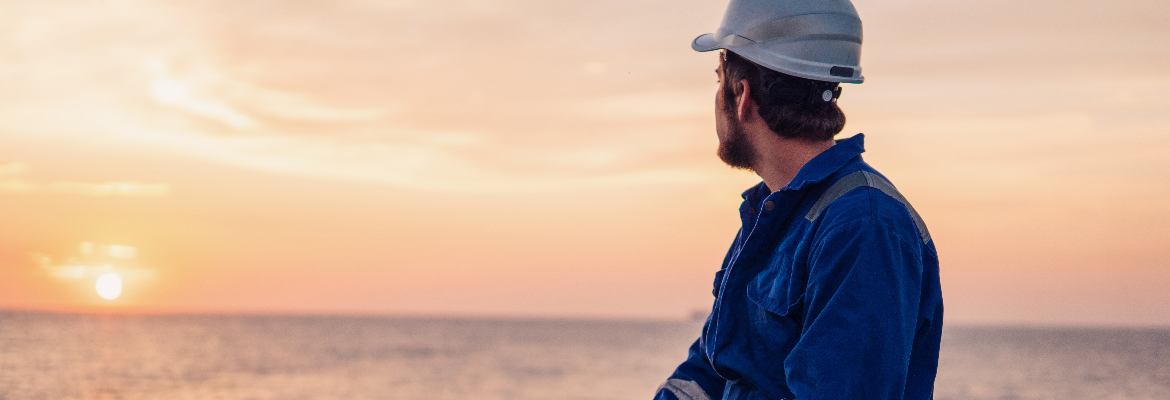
(793, 119)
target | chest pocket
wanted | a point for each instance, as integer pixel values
(779, 288)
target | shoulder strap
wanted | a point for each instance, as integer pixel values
(865, 179)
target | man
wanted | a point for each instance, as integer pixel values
(831, 289)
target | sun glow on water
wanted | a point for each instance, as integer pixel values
(109, 286)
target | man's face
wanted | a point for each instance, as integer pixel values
(735, 149)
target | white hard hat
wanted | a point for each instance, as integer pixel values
(811, 39)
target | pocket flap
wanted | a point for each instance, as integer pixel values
(779, 288)
(718, 282)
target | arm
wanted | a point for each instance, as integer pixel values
(861, 314)
(693, 379)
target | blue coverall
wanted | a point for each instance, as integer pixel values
(829, 291)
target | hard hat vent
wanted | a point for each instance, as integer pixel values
(841, 71)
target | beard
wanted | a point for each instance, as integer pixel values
(735, 150)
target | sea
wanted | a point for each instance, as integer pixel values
(227, 357)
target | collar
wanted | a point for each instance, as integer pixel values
(819, 168)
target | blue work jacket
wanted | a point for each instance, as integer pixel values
(830, 291)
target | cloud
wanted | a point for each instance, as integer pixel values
(93, 260)
(649, 105)
(206, 92)
(352, 96)
(182, 94)
(429, 160)
(10, 184)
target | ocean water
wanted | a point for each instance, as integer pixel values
(82, 356)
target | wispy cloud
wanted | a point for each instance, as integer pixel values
(649, 105)
(208, 93)
(183, 94)
(416, 94)
(362, 144)
(350, 97)
(93, 260)
(10, 183)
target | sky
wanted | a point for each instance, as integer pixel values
(530, 158)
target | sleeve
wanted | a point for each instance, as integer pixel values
(860, 315)
(694, 379)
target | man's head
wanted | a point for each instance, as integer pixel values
(783, 52)
(790, 107)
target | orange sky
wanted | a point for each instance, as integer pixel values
(538, 158)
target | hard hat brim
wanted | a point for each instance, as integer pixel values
(778, 62)
(705, 43)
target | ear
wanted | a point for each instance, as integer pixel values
(745, 108)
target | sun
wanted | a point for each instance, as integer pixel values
(109, 286)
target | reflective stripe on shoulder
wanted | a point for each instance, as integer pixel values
(684, 389)
(865, 179)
